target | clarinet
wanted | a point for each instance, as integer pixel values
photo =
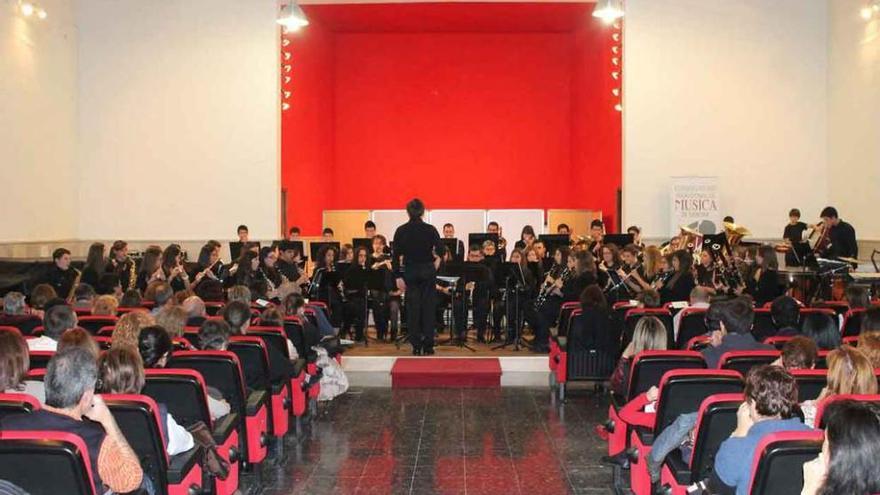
(547, 288)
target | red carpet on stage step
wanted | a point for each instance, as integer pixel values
(446, 373)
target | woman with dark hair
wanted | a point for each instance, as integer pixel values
(519, 297)
(210, 264)
(591, 330)
(848, 461)
(150, 269)
(526, 238)
(681, 283)
(96, 265)
(325, 286)
(763, 284)
(354, 312)
(267, 270)
(822, 329)
(14, 365)
(704, 272)
(172, 267)
(246, 269)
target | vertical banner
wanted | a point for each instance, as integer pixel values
(695, 205)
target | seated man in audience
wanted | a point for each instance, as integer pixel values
(17, 314)
(84, 296)
(39, 296)
(174, 321)
(163, 296)
(699, 298)
(58, 319)
(239, 293)
(785, 312)
(72, 406)
(734, 333)
(196, 313)
(771, 401)
(105, 305)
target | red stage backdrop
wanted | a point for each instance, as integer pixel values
(463, 105)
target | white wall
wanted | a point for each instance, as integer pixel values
(37, 123)
(179, 118)
(735, 89)
(854, 116)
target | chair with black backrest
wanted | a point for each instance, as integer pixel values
(633, 316)
(716, 420)
(810, 383)
(222, 371)
(763, 325)
(822, 406)
(575, 363)
(184, 393)
(140, 422)
(743, 361)
(213, 308)
(777, 468)
(646, 370)
(692, 324)
(682, 391)
(25, 325)
(278, 337)
(252, 354)
(93, 324)
(26, 457)
(40, 359)
(17, 404)
(303, 341)
(191, 335)
(804, 312)
(852, 322)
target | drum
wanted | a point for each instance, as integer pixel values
(800, 284)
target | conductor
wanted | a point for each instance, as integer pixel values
(415, 243)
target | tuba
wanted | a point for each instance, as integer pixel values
(735, 234)
(690, 239)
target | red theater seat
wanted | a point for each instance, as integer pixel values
(777, 468)
(27, 456)
(40, 359)
(252, 353)
(743, 361)
(692, 324)
(852, 322)
(823, 405)
(17, 404)
(93, 324)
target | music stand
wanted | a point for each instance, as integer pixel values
(554, 242)
(619, 240)
(479, 239)
(467, 272)
(316, 246)
(513, 274)
(235, 248)
(363, 242)
(365, 280)
(452, 246)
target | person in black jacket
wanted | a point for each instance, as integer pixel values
(842, 235)
(238, 315)
(580, 274)
(480, 295)
(764, 284)
(680, 285)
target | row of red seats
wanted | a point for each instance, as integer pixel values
(242, 436)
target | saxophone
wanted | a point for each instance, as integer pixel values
(132, 274)
(73, 286)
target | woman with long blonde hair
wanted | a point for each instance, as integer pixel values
(849, 372)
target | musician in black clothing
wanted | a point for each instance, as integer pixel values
(609, 265)
(449, 233)
(267, 270)
(631, 272)
(579, 273)
(355, 295)
(493, 261)
(545, 258)
(119, 263)
(763, 285)
(705, 271)
(95, 265)
(323, 285)
(526, 239)
(842, 235)
(415, 243)
(479, 293)
(288, 263)
(380, 301)
(246, 269)
(793, 235)
(60, 275)
(681, 282)
(494, 228)
(519, 297)
(172, 267)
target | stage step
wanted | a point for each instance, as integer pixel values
(426, 372)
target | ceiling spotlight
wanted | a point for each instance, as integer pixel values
(285, 106)
(287, 94)
(41, 14)
(287, 68)
(618, 107)
(615, 60)
(608, 10)
(615, 36)
(286, 55)
(27, 9)
(615, 75)
(292, 17)
(616, 25)
(285, 42)
(867, 13)
(286, 79)
(615, 49)
(615, 91)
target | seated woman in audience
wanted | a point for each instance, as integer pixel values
(131, 299)
(649, 298)
(763, 285)
(295, 305)
(770, 405)
(869, 343)
(848, 461)
(822, 329)
(105, 306)
(649, 335)
(857, 297)
(154, 346)
(591, 330)
(239, 293)
(271, 317)
(849, 372)
(681, 283)
(122, 372)
(39, 296)
(195, 310)
(129, 327)
(14, 365)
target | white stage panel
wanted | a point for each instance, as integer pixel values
(387, 221)
(512, 222)
(465, 222)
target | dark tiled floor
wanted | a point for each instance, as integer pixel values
(506, 441)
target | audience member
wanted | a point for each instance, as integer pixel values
(131, 299)
(699, 298)
(822, 329)
(40, 295)
(122, 372)
(56, 321)
(849, 372)
(239, 293)
(735, 318)
(17, 314)
(799, 353)
(649, 335)
(163, 296)
(84, 296)
(196, 313)
(238, 315)
(14, 365)
(72, 406)
(173, 320)
(78, 337)
(105, 306)
(857, 297)
(869, 343)
(129, 326)
(771, 401)
(848, 461)
(785, 313)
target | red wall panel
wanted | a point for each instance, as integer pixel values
(482, 119)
